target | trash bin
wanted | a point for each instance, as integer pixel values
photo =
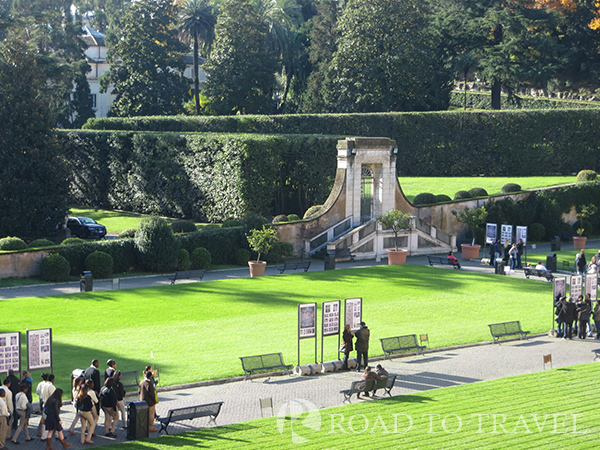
(86, 284)
(555, 244)
(551, 262)
(329, 262)
(137, 420)
(499, 266)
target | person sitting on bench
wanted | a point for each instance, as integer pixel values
(382, 374)
(368, 374)
(452, 259)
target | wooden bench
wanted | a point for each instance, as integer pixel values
(365, 386)
(268, 362)
(401, 344)
(566, 266)
(304, 265)
(211, 410)
(507, 329)
(530, 271)
(187, 275)
(130, 380)
(344, 254)
(441, 260)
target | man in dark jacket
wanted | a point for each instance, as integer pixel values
(148, 395)
(362, 346)
(92, 373)
(581, 263)
(569, 316)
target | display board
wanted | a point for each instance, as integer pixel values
(39, 349)
(506, 232)
(307, 320)
(560, 287)
(10, 352)
(521, 234)
(491, 229)
(353, 313)
(576, 286)
(331, 318)
(591, 286)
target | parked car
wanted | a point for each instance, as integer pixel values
(84, 227)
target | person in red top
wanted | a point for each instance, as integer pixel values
(452, 259)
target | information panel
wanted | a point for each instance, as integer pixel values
(490, 232)
(307, 320)
(39, 349)
(10, 352)
(331, 318)
(591, 286)
(522, 234)
(506, 234)
(560, 287)
(576, 286)
(353, 313)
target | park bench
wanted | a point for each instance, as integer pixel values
(344, 254)
(268, 362)
(130, 380)
(304, 265)
(567, 267)
(367, 386)
(442, 261)
(401, 344)
(187, 275)
(506, 329)
(211, 410)
(530, 271)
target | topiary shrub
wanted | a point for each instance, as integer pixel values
(183, 226)
(293, 217)
(462, 195)
(101, 264)
(232, 224)
(12, 243)
(157, 246)
(586, 175)
(73, 241)
(280, 218)
(312, 211)
(424, 198)
(211, 226)
(242, 256)
(536, 232)
(587, 227)
(201, 259)
(478, 192)
(183, 260)
(38, 243)
(55, 268)
(221, 243)
(253, 221)
(279, 252)
(511, 187)
(442, 198)
(128, 233)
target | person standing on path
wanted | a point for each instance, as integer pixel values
(8, 399)
(347, 337)
(520, 246)
(362, 346)
(148, 395)
(110, 370)
(53, 422)
(14, 388)
(4, 430)
(581, 263)
(92, 373)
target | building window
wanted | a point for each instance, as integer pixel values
(94, 101)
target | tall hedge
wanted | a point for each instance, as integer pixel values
(483, 100)
(122, 251)
(221, 243)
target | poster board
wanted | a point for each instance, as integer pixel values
(576, 286)
(353, 313)
(10, 352)
(521, 234)
(591, 286)
(560, 287)
(39, 349)
(307, 320)
(491, 229)
(506, 232)
(331, 318)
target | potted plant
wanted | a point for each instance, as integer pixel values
(261, 241)
(585, 212)
(472, 219)
(397, 221)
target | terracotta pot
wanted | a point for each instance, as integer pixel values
(257, 268)
(470, 251)
(397, 256)
(579, 242)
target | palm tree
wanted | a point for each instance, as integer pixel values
(197, 20)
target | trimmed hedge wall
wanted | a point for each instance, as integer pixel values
(221, 243)
(483, 100)
(123, 253)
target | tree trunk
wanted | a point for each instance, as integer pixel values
(496, 91)
(196, 77)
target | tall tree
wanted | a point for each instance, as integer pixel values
(197, 20)
(146, 60)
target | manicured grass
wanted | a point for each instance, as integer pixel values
(411, 186)
(545, 410)
(562, 255)
(215, 322)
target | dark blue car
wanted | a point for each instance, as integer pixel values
(84, 227)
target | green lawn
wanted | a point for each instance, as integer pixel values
(411, 186)
(545, 410)
(217, 321)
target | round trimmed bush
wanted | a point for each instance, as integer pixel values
(280, 218)
(73, 241)
(183, 260)
(293, 217)
(442, 198)
(424, 198)
(253, 221)
(201, 258)
(536, 232)
(312, 211)
(183, 226)
(478, 192)
(242, 256)
(41, 243)
(12, 243)
(511, 187)
(462, 195)
(210, 226)
(587, 227)
(586, 175)
(232, 223)
(101, 264)
(157, 246)
(55, 268)
(128, 233)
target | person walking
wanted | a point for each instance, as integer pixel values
(22, 409)
(512, 253)
(10, 404)
(108, 399)
(14, 389)
(4, 429)
(584, 311)
(48, 391)
(53, 422)
(112, 366)
(40, 391)
(84, 412)
(120, 390)
(362, 346)
(148, 395)
(347, 337)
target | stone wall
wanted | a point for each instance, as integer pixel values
(22, 264)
